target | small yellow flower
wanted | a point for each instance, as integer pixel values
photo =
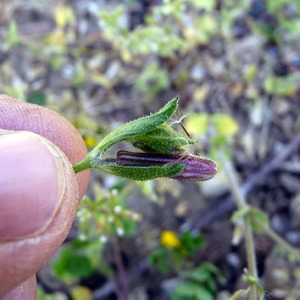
(90, 141)
(169, 239)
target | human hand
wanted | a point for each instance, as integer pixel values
(39, 191)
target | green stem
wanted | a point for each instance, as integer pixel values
(84, 164)
(249, 240)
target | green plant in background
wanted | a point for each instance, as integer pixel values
(88, 128)
(12, 37)
(187, 24)
(218, 129)
(173, 250)
(290, 23)
(142, 41)
(199, 283)
(37, 97)
(99, 221)
(174, 254)
(153, 80)
(280, 27)
(222, 128)
(282, 86)
(152, 39)
(107, 215)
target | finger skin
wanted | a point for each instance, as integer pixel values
(25, 291)
(21, 259)
(18, 115)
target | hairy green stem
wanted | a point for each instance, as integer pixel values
(83, 164)
(249, 240)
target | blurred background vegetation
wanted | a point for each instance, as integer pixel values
(235, 66)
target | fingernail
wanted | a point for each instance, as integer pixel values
(31, 184)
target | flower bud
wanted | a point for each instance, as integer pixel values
(197, 168)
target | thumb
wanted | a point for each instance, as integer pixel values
(30, 184)
(38, 199)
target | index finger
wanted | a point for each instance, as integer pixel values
(18, 115)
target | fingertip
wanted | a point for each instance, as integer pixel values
(32, 178)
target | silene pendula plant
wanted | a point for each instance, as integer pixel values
(161, 151)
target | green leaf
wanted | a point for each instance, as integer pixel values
(72, 263)
(191, 291)
(159, 258)
(191, 242)
(13, 37)
(239, 214)
(129, 227)
(81, 292)
(240, 294)
(273, 6)
(224, 124)
(206, 273)
(282, 86)
(211, 268)
(199, 275)
(204, 4)
(259, 220)
(139, 126)
(143, 173)
(250, 279)
(196, 124)
(162, 139)
(156, 40)
(37, 97)
(152, 80)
